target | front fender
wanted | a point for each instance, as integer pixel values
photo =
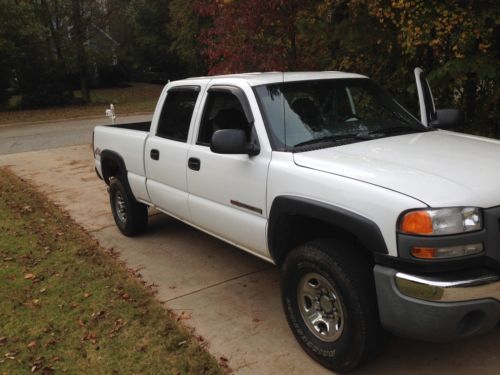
(365, 230)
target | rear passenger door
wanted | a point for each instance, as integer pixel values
(227, 193)
(166, 152)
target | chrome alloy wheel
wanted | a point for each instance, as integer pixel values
(120, 207)
(320, 307)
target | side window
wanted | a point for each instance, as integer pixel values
(222, 110)
(176, 114)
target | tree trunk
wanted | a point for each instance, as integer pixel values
(79, 44)
(54, 32)
(470, 96)
(292, 37)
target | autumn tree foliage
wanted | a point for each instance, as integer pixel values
(456, 41)
(249, 35)
(46, 44)
(184, 28)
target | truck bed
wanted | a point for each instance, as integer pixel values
(139, 126)
(127, 140)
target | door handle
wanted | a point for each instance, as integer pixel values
(194, 164)
(154, 154)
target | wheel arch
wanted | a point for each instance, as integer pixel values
(295, 220)
(112, 165)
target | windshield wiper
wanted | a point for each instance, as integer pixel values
(334, 138)
(363, 135)
(401, 129)
(400, 117)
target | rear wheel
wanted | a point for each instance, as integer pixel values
(131, 216)
(330, 303)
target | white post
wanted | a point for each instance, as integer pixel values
(110, 112)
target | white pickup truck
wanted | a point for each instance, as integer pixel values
(379, 222)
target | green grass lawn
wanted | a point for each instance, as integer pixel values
(139, 97)
(68, 306)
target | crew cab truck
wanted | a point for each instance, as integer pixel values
(380, 222)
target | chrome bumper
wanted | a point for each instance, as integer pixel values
(438, 308)
(474, 285)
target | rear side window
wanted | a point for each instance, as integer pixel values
(223, 110)
(176, 114)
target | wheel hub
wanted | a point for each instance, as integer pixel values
(320, 307)
(326, 304)
(120, 207)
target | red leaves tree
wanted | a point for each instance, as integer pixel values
(252, 35)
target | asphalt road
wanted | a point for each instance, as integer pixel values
(17, 138)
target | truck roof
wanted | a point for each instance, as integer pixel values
(260, 78)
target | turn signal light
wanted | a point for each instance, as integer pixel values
(446, 252)
(417, 222)
(424, 252)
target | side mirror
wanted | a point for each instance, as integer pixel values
(447, 118)
(232, 141)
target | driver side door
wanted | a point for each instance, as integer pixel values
(227, 193)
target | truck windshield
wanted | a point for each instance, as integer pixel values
(312, 114)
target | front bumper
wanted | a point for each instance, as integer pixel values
(438, 308)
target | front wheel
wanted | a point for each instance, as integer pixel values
(329, 299)
(131, 217)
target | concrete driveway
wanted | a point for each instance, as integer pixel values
(229, 297)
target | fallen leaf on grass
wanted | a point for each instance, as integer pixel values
(184, 316)
(87, 295)
(37, 364)
(98, 315)
(92, 337)
(48, 370)
(125, 296)
(29, 276)
(223, 362)
(119, 324)
(50, 342)
(11, 355)
(32, 344)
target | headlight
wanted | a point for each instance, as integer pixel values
(441, 221)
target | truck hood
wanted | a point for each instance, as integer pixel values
(439, 168)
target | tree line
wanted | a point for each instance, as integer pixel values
(48, 48)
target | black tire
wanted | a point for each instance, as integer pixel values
(359, 336)
(132, 218)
